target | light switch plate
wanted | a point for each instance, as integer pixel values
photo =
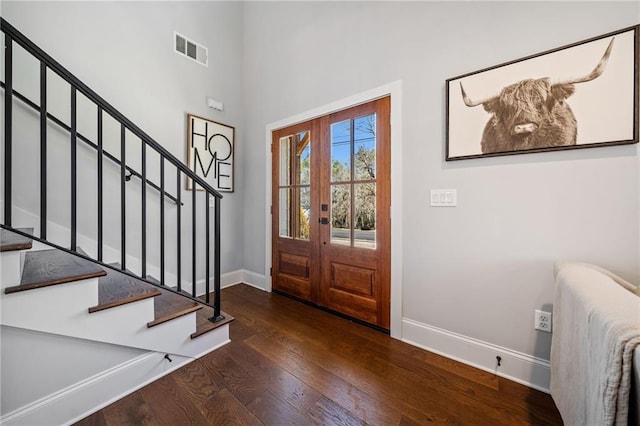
(444, 198)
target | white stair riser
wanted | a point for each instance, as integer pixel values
(44, 306)
(207, 342)
(10, 268)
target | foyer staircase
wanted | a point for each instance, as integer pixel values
(98, 303)
(124, 202)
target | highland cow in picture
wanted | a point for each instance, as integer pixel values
(532, 113)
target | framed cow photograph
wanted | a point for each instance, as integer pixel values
(577, 96)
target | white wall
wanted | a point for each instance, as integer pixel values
(123, 51)
(478, 270)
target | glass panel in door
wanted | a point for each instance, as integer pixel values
(294, 186)
(353, 182)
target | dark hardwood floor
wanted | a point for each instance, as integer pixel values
(290, 364)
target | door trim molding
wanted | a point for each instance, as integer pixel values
(393, 89)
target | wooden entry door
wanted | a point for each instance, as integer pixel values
(331, 202)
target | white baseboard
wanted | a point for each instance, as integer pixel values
(77, 401)
(254, 280)
(516, 366)
(240, 276)
(231, 278)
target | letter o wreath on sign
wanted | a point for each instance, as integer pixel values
(210, 152)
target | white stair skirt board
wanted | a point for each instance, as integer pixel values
(516, 366)
(83, 398)
(77, 401)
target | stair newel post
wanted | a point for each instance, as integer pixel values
(8, 112)
(179, 242)
(100, 197)
(43, 151)
(193, 237)
(123, 197)
(143, 191)
(74, 169)
(206, 244)
(161, 220)
(216, 263)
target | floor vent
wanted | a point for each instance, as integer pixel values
(190, 49)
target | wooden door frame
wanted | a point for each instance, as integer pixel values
(394, 90)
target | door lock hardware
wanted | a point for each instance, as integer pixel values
(324, 220)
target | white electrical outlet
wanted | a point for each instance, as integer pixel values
(542, 321)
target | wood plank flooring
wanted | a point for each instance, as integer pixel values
(290, 364)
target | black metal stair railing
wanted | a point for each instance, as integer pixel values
(47, 63)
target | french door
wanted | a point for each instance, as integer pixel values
(330, 211)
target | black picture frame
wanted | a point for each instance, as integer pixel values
(527, 105)
(210, 152)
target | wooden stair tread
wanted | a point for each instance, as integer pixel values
(50, 267)
(116, 289)
(204, 312)
(169, 305)
(203, 325)
(10, 241)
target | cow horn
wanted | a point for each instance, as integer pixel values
(597, 71)
(468, 102)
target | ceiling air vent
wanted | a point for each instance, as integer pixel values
(190, 49)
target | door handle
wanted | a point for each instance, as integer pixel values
(324, 220)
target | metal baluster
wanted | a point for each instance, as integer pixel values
(100, 197)
(144, 208)
(216, 264)
(179, 242)
(193, 238)
(43, 151)
(161, 220)
(8, 112)
(74, 169)
(207, 258)
(123, 217)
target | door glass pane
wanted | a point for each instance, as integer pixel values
(341, 151)
(304, 213)
(365, 215)
(285, 213)
(365, 147)
(303, 158)
(341, 214)
(294, 180)
(285, 160)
